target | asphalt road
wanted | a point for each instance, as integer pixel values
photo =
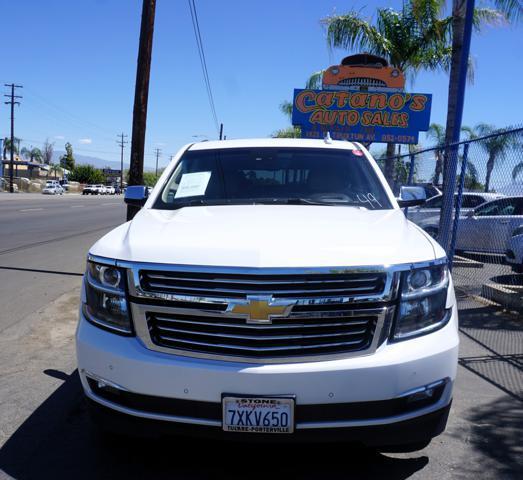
(43, 245)
(45, 432)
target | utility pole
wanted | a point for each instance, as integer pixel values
(221, 131)
(141, 96)
(12, 102)
(158, 153)
(122, 142)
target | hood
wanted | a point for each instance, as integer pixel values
(269, 236)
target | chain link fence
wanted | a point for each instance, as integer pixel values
(486, 227)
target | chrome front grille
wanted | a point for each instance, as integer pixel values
(306, 314)
(362, 82)
(228, 285)
(298, 334)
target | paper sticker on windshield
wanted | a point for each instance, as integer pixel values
(193, 184)
(358, 153)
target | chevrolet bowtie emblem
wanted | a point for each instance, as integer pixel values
(261, 308)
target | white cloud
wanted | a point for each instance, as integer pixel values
(59, 137)
(85, 141)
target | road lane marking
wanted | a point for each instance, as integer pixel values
(77, 206)
(30, 209)
(112, 203)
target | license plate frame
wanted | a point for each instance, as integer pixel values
(265, 406)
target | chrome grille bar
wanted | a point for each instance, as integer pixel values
(259, 327)
(258, 337)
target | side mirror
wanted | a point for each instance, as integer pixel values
(411, 196)
(136, 195)
(470, 213)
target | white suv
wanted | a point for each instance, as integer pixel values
(268, 288)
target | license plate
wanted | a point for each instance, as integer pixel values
(258, 414)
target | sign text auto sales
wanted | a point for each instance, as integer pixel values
(364, 116)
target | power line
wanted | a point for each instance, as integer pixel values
(203, 62)
(122, 143)
(12, 102)
(43, 100)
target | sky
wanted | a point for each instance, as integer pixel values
(76, 61)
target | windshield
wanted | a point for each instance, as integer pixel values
(273, 176)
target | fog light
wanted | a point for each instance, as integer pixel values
(99, 383)
(424, 395)
(428, 393)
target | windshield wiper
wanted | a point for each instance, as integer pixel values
(200, 202)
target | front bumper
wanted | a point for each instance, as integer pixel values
(328, 393)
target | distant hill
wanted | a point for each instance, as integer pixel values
(88, 160)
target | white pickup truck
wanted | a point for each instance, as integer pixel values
(270, 289)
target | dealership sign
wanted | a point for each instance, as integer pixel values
(111, 172)
(383, 117)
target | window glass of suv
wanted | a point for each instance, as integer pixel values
(273, 175)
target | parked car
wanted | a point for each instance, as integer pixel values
(53, 190)
(90, 190)
(488, 227)
(101, 189)
(514, 250)
(432, 207)
(109, 190)
(51, 183)
(271, 287)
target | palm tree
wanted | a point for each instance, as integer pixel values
(7, 147)
(507, 10)
(412, 39)
(288, 132)
(34, 154)
(496, 146)
(436, 132)
(54, 168)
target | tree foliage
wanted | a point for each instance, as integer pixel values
(497, 147)
(86, 174)
(47, 152)
(149, 178)
(67, 159)
(32, 154)
(6, 147)
(289, 132)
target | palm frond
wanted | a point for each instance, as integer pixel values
(469, 132)
(512, 9)
(350, 32)
(436, 132)
(517, 170)
(488, 16)
(286, 108)
(315, 80)
(289, 132)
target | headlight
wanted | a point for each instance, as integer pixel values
(423, 302)
(518, 231)
(105, 303)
